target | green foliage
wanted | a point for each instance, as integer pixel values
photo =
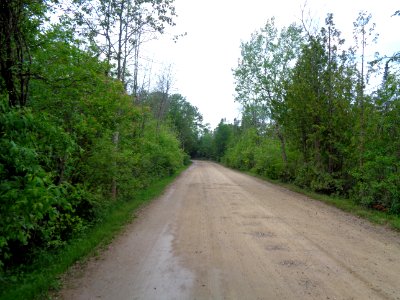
(118, 30)
(79, 145)
(20, 22)
(73, 145)
(187, 121)
(161, 155)
(241, 154)
(205, 147)
(181, 116)
(261, 155)
(378, 179)
(36, 280)
(222, 137)
(263, 71)
(268, 160)
(34, 211)
(316, 123)
(308, 119)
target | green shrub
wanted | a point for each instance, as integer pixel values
(34, 210)
(378, 183)
(268, 159)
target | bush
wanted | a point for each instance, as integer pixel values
(378, 183)
(34, 211)
(259, 155)
(268, 160)
(240, 153)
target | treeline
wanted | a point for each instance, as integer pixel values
(76, 131)
(313, 115)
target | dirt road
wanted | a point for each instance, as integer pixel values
(219, 234)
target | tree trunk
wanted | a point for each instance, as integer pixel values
(362, 123)
(120, 34)
(108, 38)
(114, 180)
(15, 59)
(136, 65)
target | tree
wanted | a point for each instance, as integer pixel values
(222, 137)
(363, 32)
(319, 119)
(19, 29)
(117, 28)
(117, 31)
(164, 86)
(184, 118)
(205, 147)
(59, 165)
(262, 73)
(377, 179)
(187, 122)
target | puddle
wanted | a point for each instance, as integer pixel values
(166, 277)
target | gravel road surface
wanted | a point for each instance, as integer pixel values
(220, 234)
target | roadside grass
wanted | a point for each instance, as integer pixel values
(348, 205)
(43, 276)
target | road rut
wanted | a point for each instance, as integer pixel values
(220, 234)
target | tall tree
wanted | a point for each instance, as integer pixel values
(187, 122)
(262, 74)
(363, 35)
(222, 137)
(319, 120)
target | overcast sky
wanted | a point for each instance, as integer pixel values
(202, 61)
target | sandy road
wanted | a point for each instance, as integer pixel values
(219, 234)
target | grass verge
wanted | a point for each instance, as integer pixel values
(43, 275)
(348, 205)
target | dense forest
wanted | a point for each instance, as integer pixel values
(77, 129)
(317, 113)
